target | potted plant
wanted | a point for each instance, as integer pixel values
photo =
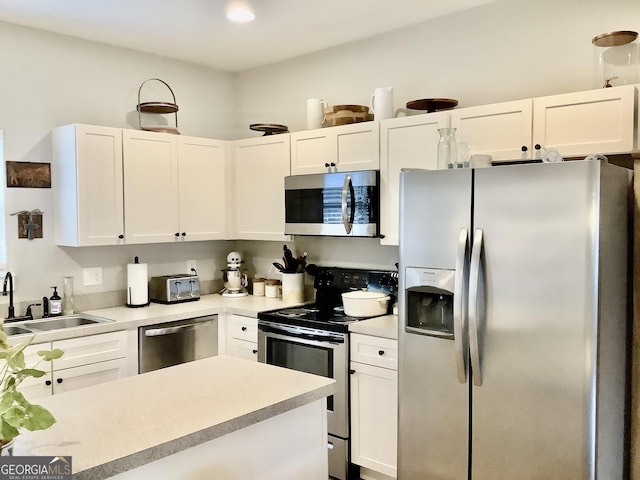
(16, 412)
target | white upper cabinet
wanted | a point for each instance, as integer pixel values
(259, 166)
(87, 184)
(336, 149)
(583, 123)
(501, 130)
(406, 142)
(174, 186)
(575, 124)
(151, 186)
(202, 176)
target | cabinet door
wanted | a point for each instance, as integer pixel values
(88, 375)
(87, 185)
(243, 349)
(259, 167)
(314, 151)
(374, 411)
(501, 130)
(150, 186)
(408, 142)
(202, 173)
(358, 146)
(90, 349)
(34, 388)
(583, 123)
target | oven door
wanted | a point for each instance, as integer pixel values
(312, 351)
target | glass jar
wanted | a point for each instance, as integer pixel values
(447, 149)
(616, 59)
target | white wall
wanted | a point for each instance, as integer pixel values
(506, 50)
(49, 80)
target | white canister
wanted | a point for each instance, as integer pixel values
(382, 103)
(258, 287)
(315, 113)
(293, 287)
(272, 288)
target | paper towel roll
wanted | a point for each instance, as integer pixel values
(137, 285)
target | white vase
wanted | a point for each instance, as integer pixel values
(6, 450)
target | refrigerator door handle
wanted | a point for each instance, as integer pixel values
(460, 337)
(475, 272)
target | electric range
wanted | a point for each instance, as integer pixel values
(314, 338)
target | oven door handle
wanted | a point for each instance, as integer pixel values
(303, 336)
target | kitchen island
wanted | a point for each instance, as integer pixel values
(220, 417)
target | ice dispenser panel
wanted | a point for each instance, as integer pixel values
(429, 302)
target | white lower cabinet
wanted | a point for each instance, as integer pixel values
(374, 403)
(242, 337)
(86, 361)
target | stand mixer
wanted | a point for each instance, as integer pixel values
(235, 280)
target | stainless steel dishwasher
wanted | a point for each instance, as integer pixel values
(171, 343)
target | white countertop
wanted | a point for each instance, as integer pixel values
(140, 419)
(385, 326)
(125, 318)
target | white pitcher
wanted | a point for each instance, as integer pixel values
(315, 113)
(382, 103)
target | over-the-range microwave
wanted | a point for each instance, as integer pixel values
(333, 204)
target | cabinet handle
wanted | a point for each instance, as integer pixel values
(177, 234)
(59, 380)
(333, 164)
(326, 165)
(537, 146)
(352, 371)
(244, 329)
(184, 234)
(524, 148)
(380, 352)
(254, 351)
(120, 236)
(48, 383)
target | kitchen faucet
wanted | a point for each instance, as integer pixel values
(8, 277)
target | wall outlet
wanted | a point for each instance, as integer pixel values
(92, 276)
(191, 264)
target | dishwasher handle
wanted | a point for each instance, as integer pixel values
(157, 332)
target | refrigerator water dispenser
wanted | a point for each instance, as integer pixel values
(429, 302)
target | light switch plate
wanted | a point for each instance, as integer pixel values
(92, 276)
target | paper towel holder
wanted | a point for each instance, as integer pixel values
(140, 270)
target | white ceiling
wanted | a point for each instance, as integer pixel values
(198, 31)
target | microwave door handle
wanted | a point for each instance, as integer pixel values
(347, 187)
(475, 273)
(460, 337)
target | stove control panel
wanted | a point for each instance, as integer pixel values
(353, 279)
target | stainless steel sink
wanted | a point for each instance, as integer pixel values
(56, 323)
(14, 330)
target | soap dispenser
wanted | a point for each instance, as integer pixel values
(55, 303)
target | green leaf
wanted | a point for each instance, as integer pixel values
(14, 416)
(49, 355)
(31, 372)
(38, 418)
(7, 432)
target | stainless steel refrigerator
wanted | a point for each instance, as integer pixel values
(512, 314)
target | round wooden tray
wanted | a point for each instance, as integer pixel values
(432, 104)
(269, 128)
(158, 107)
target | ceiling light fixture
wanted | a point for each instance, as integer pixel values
(240, 13)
